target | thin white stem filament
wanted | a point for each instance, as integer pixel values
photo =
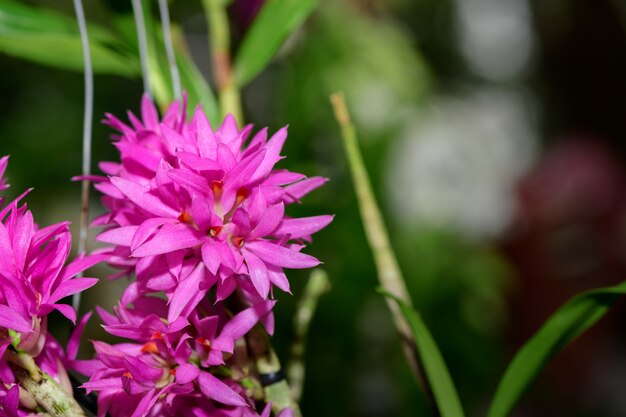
(87, 120)
(143, 44)
(169, 47)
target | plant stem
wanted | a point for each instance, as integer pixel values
(268, 364)
(49, 394)
(219, 39)
(140, 24)
(169, 48)
(87, 121)
(389, 273)
(317, 286)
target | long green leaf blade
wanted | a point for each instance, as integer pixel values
(197, 88)
(435, 368)
(569, 321)
(51, 38)
(274, 23)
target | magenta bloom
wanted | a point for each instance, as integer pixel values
(33, 281)
(33, 278)
(168, 368)
(9, 400)
(186, 195)
(196, 214)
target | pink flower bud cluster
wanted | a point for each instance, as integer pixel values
(197, 216)
(34, 279)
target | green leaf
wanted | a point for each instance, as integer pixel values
(434, 366)
(572, 319)
(51, 38)
(197, 88)
(276, 20)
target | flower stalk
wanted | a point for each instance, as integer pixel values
(142, 41)
(276, 388)
(169, 48)
(317, 286)
(87, 122)
(389, 273)
(47, 393)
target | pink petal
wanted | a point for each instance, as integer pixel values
(186, 373)
(141, 371)
(72, 287)
(299, 189)
(216, 390)
(142, 198)
(139, 155)
(109, 168)
(272, 155)
(66, 310)
(278, 278)
(189, 179)
(229, 129)
(149, 113)
(198, 163)
(226, 157)
(103, 384)
(204, 134)
(281, 256)
(286, 412)
(187, 294)
(118, 236)
(73, 342)
(269, 221)
(258, 274)
(211, 256)
(303, 227)
(168, 239)
(240, 325)
(147, 228)
(267, 410)
(22, 236)
(243, 171)
(86, 367)
(6, 250)
(12, 320)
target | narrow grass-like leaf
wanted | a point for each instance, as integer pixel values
(198, 90)
(192, 80)
(274, 23)
(51, 38)
(569, 321)
(389, 274)
(435, 368)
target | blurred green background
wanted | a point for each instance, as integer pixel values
(493, 131)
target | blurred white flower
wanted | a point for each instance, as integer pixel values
(495, 36)
(457, 164)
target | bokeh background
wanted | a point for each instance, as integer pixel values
(494, 134)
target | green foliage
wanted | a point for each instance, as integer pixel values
(434, 366)
(198, 90)
(572, 319)
(192, 81)
(51, 38)
(274, 23)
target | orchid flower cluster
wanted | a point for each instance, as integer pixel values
(197, 217)
(34, 279)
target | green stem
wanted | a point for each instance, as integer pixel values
(389, 273)
(219, 39)
(48, 393)
(267, 363)
(317, 286)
